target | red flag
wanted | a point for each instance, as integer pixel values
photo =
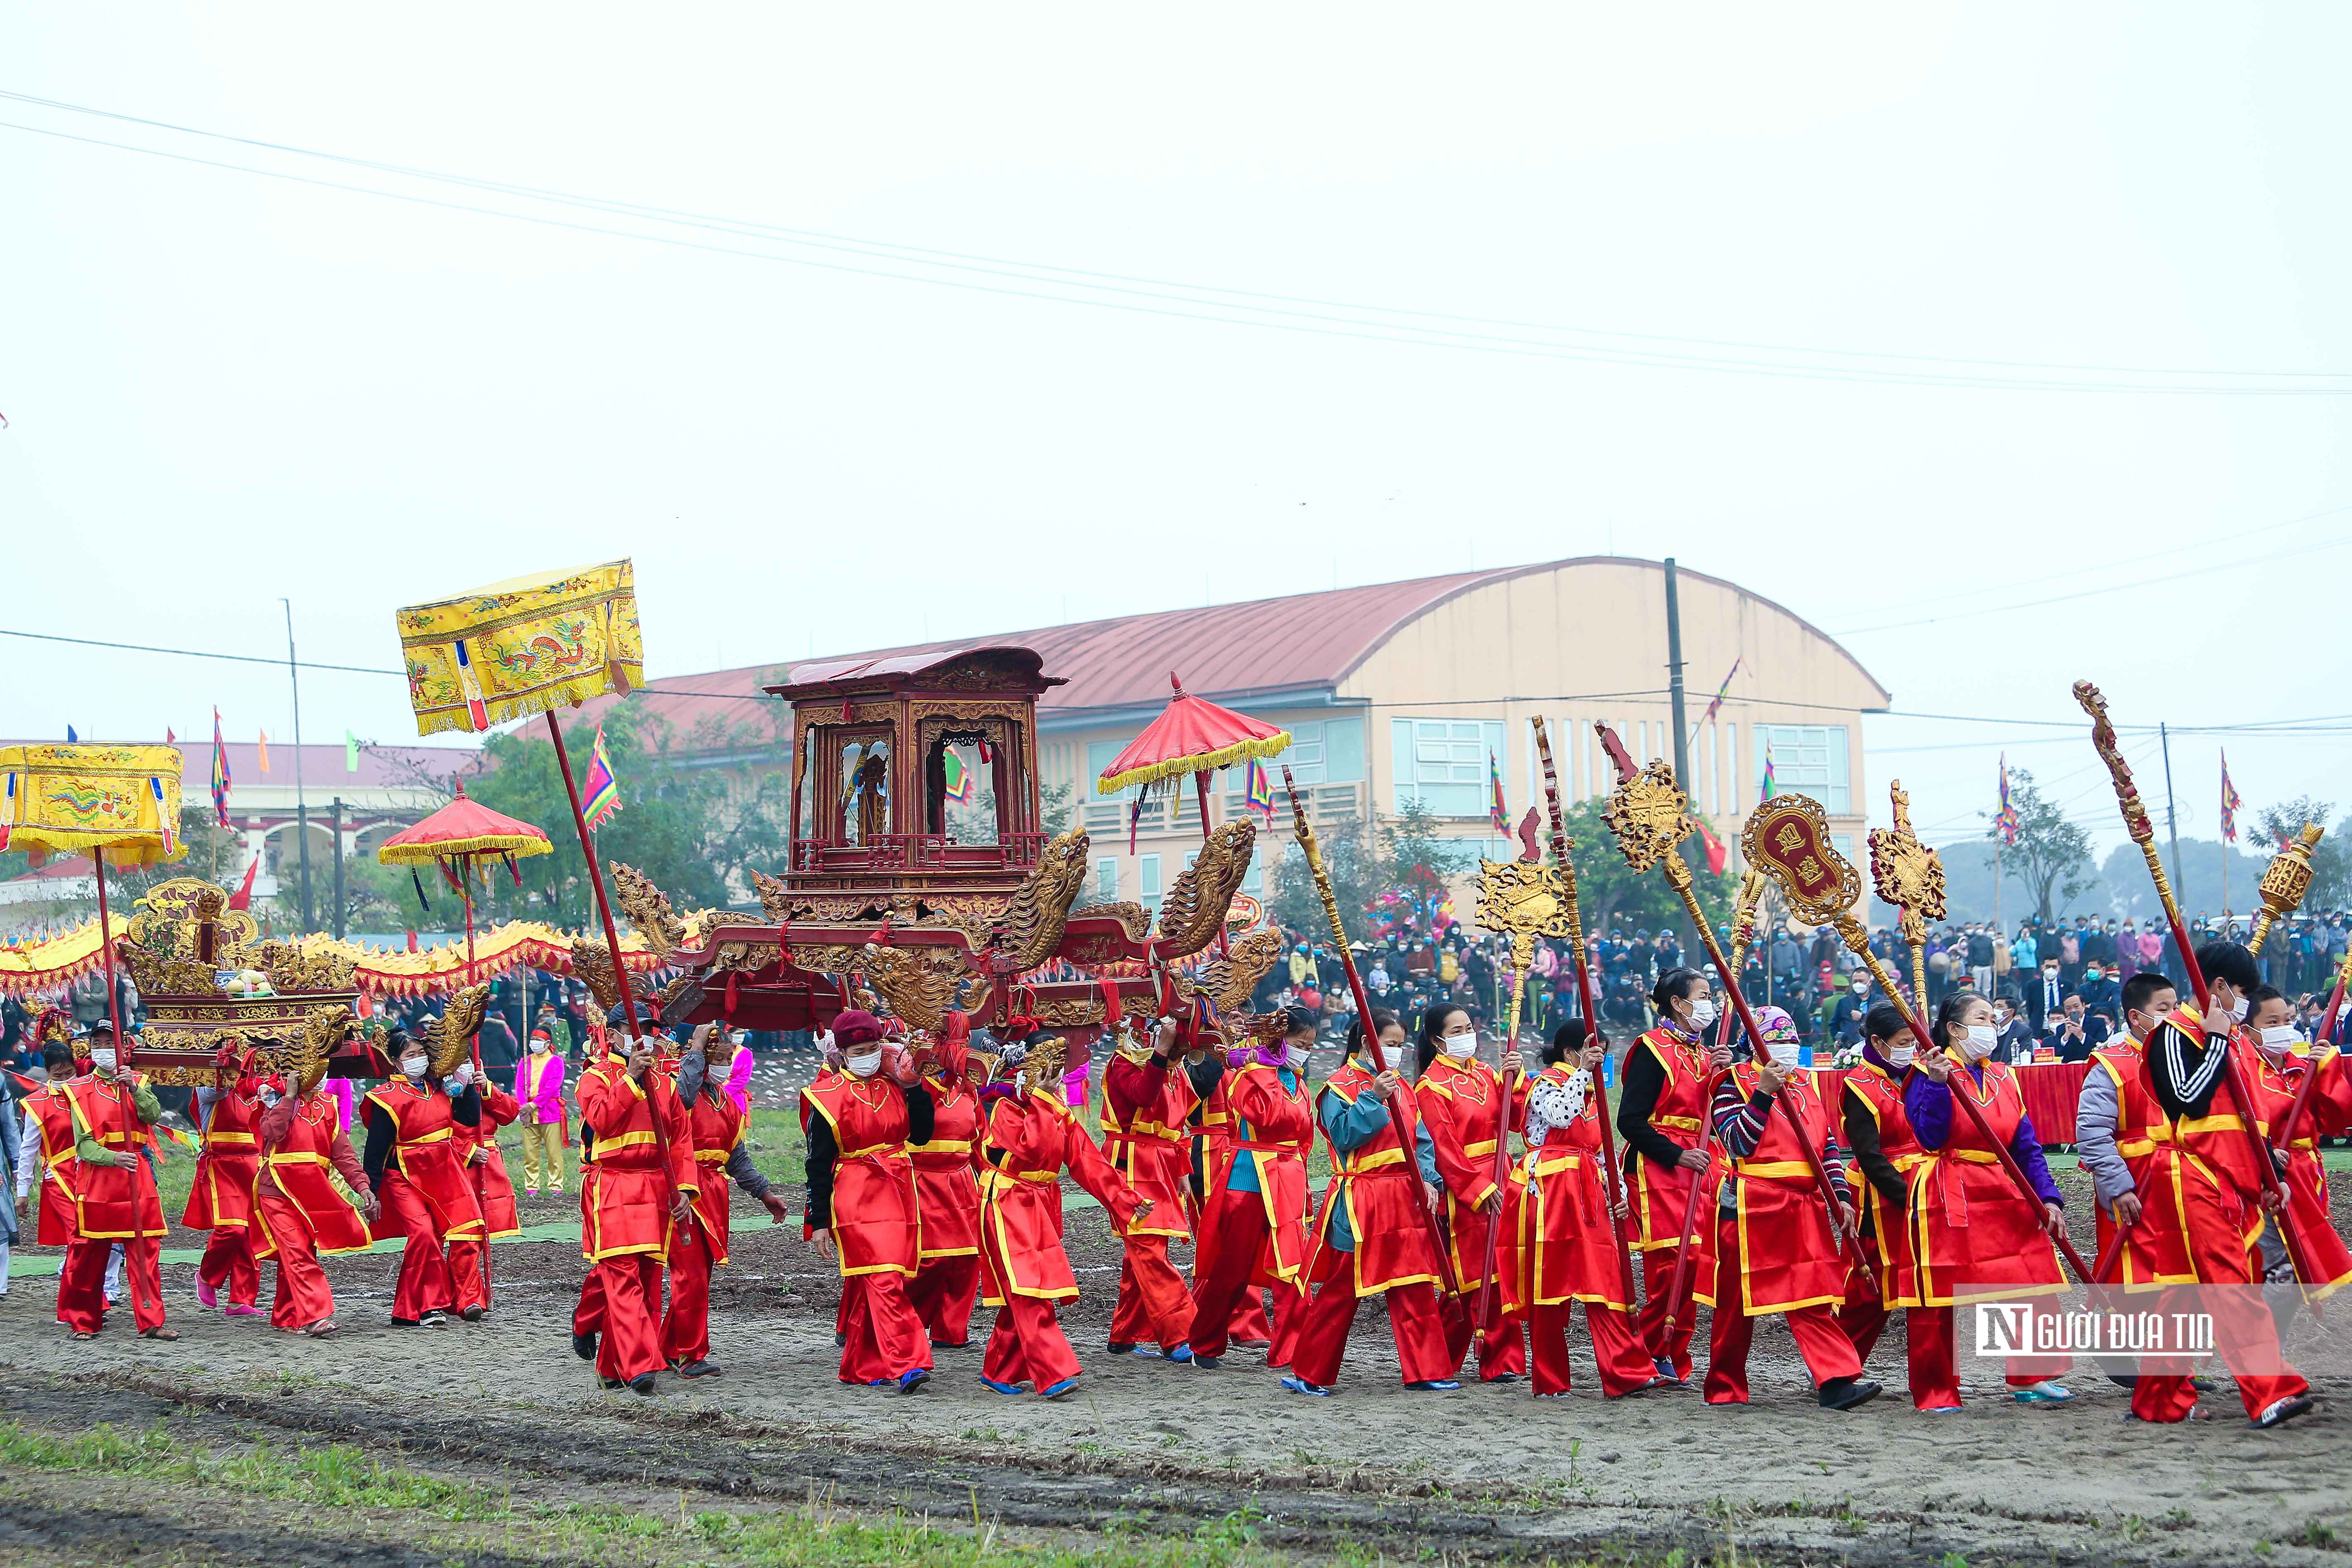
(169, 738)
(1716, 855)
(243, 896)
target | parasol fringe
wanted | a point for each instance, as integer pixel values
(1224, 757)
(452, 848)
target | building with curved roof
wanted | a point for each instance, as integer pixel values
(1403, 690)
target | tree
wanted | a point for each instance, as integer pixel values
(2331, 860)
(1292, 901)
(1611, 895)
(2051, 855)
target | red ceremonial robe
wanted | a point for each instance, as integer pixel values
(2157, 1252)
(427, 1155)
(1887, 1232)
(1563, 1246)
(1974, 1237)
(1380, 1189)
(113, 1202)
(53, 1115)
(222, 1196)
(2328, 1115)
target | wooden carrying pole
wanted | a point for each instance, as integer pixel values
(1380, 1058)
(1611, 1177)
(1661, 839)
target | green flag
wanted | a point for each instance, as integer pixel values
(351, 753)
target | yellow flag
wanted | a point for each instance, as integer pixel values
(265, 750)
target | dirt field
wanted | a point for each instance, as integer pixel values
(1148, 1459)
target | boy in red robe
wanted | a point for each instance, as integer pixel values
(222, 1199)
(699, 1246)
(643, 1183)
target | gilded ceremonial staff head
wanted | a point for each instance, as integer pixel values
(1788, 837)
(1649, 814)
(2286, 880)
(1905, 872)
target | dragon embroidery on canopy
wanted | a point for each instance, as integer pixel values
(1030, 930)
(1194, 911)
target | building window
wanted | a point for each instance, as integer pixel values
(1733, 804)
(1254, 879)
(1148, 866)
(1442, 763)
(1106, 879)
(1327, 750)
(1706, 765)
(1807, 759)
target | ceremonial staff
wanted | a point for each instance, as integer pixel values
(2284, 884)
(1788, 837)
(1910, 877)
(1379, 1058)
(2293, 1120)
(1743, 936)
(2143, 833)
(1611, 1177)
(1649, 815)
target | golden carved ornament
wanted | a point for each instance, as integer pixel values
(307, 1052)
(1030, 930)
(1745, 905)
(1906, 872)
(1787, 837)
(1650, 815)
(164, 941)
(308, 963)
(648, 909)
(832, 959)
(449, 1037)
(2284, 882)
(1132, 918)
(1230, 979)
(591, 961)
(1524, 899)
(1194, 911)
(919, 983)
(747, 956)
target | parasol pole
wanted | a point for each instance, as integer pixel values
(1380, 1058)
(2143, 833)
(1678, 876)
(1201, 783)
(612, 936)
(1610, 1175)
(105, 945)
(1510, 1087)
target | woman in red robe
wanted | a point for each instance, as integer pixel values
(1462, 1103)
(1561, 1247)
(2277, 1076)
(1147, 1099)
(643, 1183)
(1031, 1136)
(1254, 1224)
(1885, 1152)
(303, 1216)
(115, 1198)
(1662, 1119)
(862, 1208)
(699, 1246)
(1373, 1234)
(485, 1168)
(222, 1199)
(415, 1167)
(947, 1193)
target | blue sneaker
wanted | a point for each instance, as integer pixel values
(1146, 1353)
(1059, 1389)
(2046, 1392)
(1181, 1355)
(1433, 1385)
(1003, 1387)
(1300, 1386)
(913, 1378)
(883, 1383)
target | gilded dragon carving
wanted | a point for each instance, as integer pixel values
(918, 982)
(648, 909)
(1229, 980)
(447, 1036)
(1194, 911)
(1030, 930)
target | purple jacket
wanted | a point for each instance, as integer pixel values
(544, 1099)
(1930, 1106)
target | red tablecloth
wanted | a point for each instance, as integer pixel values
(2052, 1091)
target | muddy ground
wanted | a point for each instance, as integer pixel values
(1146, 1445)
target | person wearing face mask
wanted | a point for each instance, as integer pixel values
(700, 1246)
(1371, 1235)
(1029, 1137)
(115, 1198)
(1661, 1117)
(1973, 1236)
(2012, 1041)
(2118, 1126)
(1853, 1005)
(1211, 1076)
(1775, 1255)
(485, 1168)
(302, 1217)
(2102, 994)
(415, 1168)
(638, 1182)
(45, 1154)
(1462, 1102)
(947, 1192)
(1253, 1225)
(1145, 1102)
(2277, 1076)
(1886, 1151)
(2204, 1182)
(863, 1211)
(2045, 999)
(1562, 1247)
(222, 1197)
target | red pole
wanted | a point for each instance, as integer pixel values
(121, 1041)
(2288, 1127)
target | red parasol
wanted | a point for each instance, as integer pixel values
(1191, 735)
(455, 839)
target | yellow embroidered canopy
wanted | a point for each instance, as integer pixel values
(526, 646)
(122, 801)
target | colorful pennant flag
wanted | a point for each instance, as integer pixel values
(351, 753)
(961, 785)
(1718, 856)
(264, 743)
(1719, 693)
(2229, 804)
(2007, 823)
(177, 1137)
(1770, 783)
(170, 738)
(72, 739)
(604, 793)
(1259, 790)
(220, 774)
(1499, 813)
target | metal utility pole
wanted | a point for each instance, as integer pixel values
(301, 809)
(1691, 943)
(336, 818)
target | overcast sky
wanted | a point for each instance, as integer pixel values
(1333, 302)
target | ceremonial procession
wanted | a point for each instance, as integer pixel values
(687, 876)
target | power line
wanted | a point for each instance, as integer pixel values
(197, 653)
(1207, 303)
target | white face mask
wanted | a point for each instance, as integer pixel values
(1783, 1052)
(2239, 1009)
(1461, 1048)
(1980, 1041)
(1900, 1056)
(864, 1066)
(1296, 1058)
(1704, 1012)
(102, 1059)
(2278, 1039)
(414, 1066)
